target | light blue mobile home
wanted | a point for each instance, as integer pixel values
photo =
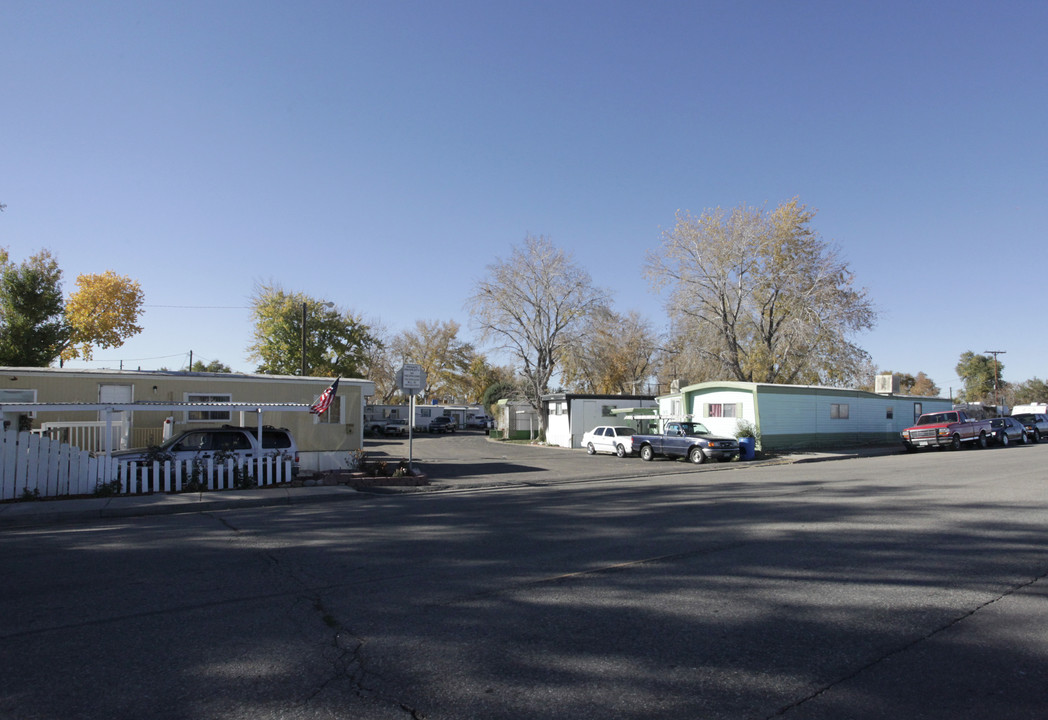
(799, 416)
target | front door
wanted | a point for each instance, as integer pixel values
(117, 394)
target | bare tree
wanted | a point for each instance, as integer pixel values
(382, 364)
(763, 297)
(533, 305)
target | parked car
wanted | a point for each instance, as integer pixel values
(1036, 425)
(481, 422)
(1006, 430)
(396, 426)
(442, 424)
(375, 426)
(227, 441)
(617, 439)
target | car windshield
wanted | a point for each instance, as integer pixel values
(694, 429)
(1025, 418)
(620, 431)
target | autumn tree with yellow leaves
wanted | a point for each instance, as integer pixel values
(102, 313)
(613, 354)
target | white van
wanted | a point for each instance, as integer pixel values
(1032, 408)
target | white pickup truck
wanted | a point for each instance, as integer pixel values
(386, 426)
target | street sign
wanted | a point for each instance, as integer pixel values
(410, 378)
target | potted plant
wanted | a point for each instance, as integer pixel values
(747, 435)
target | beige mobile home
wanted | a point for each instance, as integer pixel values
(324, 441)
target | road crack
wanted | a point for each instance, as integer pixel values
(909, 645)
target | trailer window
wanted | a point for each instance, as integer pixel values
(208, 415)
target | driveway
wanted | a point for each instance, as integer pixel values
(468, 459)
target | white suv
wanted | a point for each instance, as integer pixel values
(220, 442)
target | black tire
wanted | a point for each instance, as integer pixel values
(1004, 439)
(955, 443)
(696, 455)
(982, 440)
(1036, 435)
(590, 450)
(1023, 439)
(620, 450)
(646, 453)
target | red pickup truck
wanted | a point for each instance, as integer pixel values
(949, 428)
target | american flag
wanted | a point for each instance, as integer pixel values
(321, 404)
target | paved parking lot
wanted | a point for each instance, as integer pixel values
(470, 458)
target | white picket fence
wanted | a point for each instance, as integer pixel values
(34, 466)
(87, 435)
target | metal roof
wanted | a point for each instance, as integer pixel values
(154, 406)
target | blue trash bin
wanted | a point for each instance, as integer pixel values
(747, 448)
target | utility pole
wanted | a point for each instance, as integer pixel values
(995, 353)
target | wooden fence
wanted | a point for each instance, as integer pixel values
(32, 466)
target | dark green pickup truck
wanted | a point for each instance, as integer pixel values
(689, 440)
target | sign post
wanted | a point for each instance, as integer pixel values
(411, 379)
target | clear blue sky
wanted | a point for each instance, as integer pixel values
(382, 154)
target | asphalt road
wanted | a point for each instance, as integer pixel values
(907, 586)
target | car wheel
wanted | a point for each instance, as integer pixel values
(696, 455)
(1036, 435)
(955, 443)
(982, 440)
(590, 450)
(646, 453)
(620, 451)
(1004, 439)
(1022, 438)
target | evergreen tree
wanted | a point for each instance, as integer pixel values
(33, 330)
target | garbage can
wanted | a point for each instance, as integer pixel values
(747, 448)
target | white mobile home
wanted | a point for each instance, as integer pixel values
(423, 413)
(569, 415)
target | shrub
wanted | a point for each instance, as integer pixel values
(744, 428)
(107, 489)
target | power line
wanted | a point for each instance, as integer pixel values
(155, 357)
(202, 307)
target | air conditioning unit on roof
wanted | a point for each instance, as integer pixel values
(886, 384)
